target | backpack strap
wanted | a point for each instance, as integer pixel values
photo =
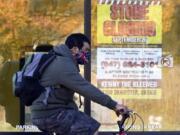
(45, 64)
(55, 53)
(48, 89)
(46, 60)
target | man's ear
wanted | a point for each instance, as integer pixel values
(74, 50)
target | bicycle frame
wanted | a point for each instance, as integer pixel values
(121, 124)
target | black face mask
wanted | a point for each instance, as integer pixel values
(83, 57)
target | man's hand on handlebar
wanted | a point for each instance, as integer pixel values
(121, 109)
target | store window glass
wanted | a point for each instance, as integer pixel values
(25, 24)
(135, 59)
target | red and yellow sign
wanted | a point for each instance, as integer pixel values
(129, 23)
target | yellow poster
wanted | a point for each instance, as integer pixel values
(129, 23)
(133, 93)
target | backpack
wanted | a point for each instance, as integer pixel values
(26, 85)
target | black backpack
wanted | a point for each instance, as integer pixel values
(26, 83)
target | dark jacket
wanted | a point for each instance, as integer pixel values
(64, 75)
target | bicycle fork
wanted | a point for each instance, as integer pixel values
(121, 124)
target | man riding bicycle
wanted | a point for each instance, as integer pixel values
(59, 113)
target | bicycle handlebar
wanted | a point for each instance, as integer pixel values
(124, 115)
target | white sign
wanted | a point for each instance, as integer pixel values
(129, 63)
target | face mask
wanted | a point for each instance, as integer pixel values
(83, 57)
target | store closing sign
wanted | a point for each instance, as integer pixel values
(122, 22)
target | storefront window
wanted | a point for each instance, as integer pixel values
(24, 25)
(135, 54)
(136, 61)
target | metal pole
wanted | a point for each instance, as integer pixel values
(22, 106)
(87, 32)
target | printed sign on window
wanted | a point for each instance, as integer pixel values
(122, 22)
(129, 72)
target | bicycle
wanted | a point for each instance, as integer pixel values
(125, 117)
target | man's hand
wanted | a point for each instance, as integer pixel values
(121, 109)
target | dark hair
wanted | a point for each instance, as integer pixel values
(44, 48)
(76, 40)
